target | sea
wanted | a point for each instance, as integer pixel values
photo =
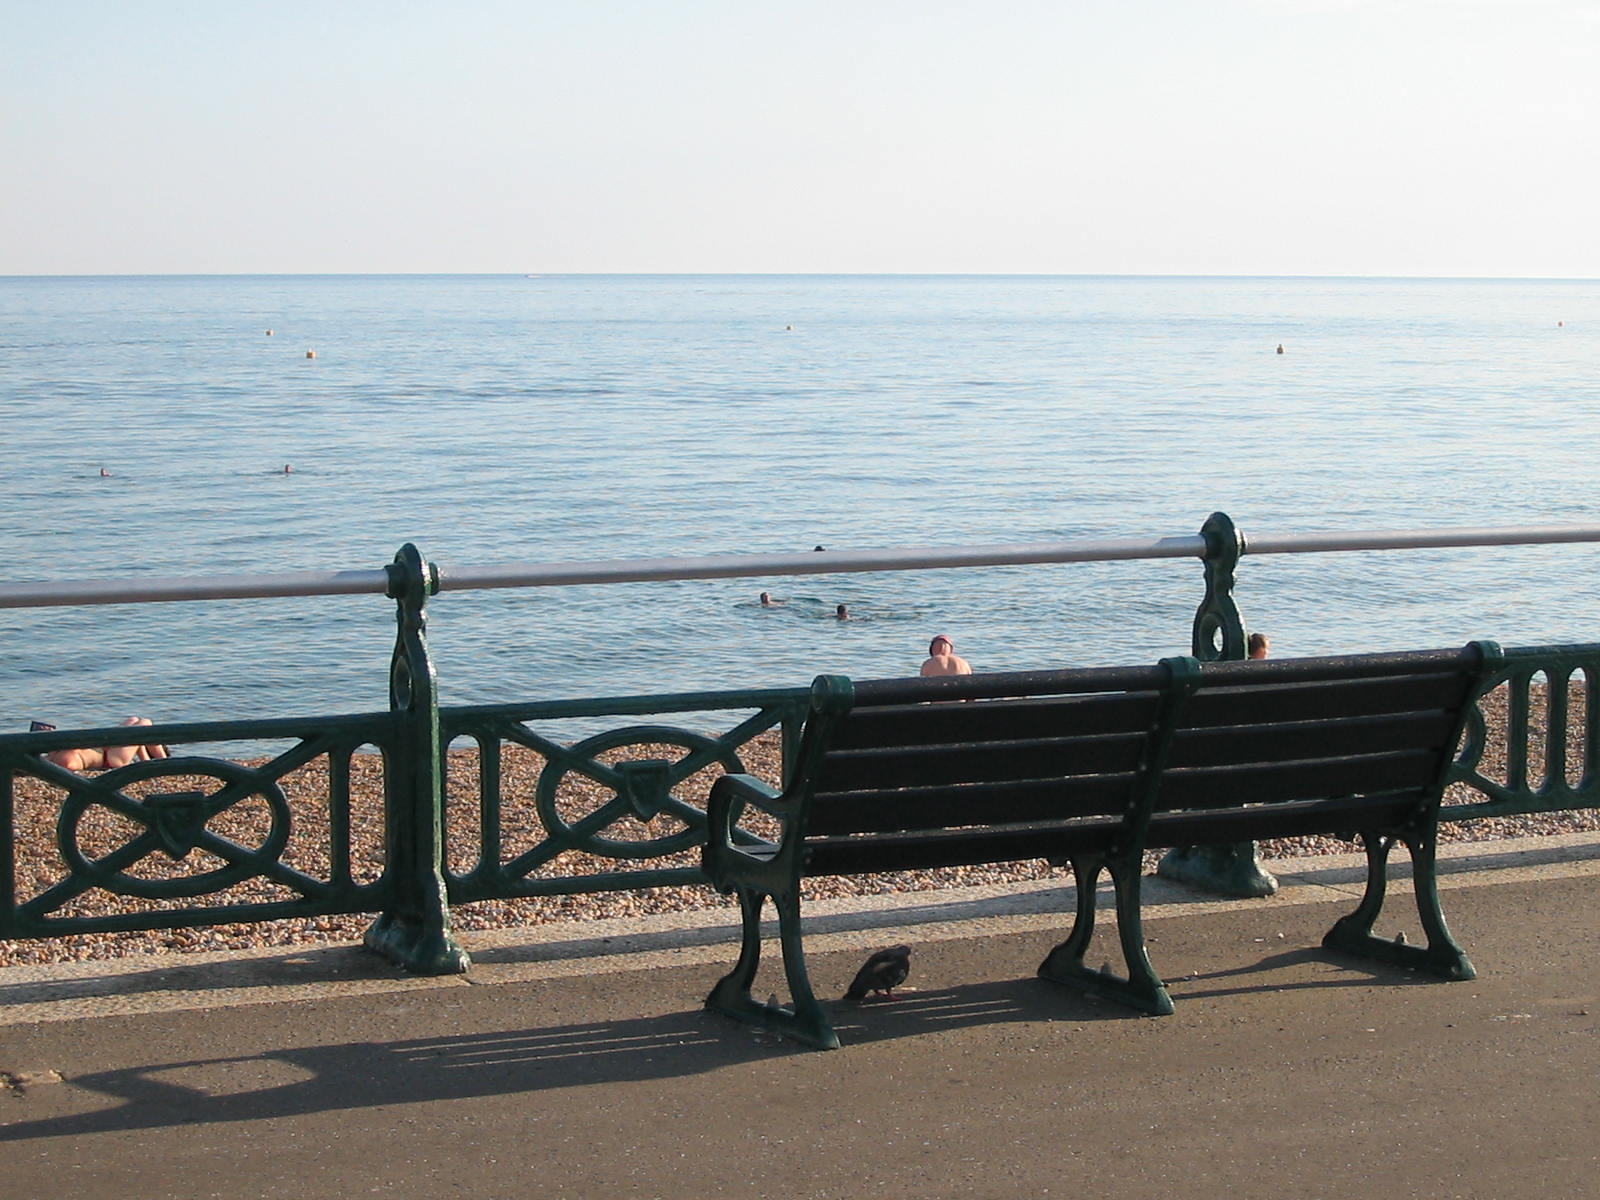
(224, 425)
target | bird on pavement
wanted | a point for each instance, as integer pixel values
(881, 973)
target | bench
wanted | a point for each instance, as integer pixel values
(1092, 768)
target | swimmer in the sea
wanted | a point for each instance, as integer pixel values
(768, 602)
(842, 613)
(943, 659)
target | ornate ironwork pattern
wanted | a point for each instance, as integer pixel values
(1547, 760)
(645, 812)
(218, 825)
(1218, 628)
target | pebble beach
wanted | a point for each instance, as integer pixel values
(39, 864)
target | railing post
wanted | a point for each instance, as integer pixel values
(1218, 628)
(1231, 870)
(414, 930)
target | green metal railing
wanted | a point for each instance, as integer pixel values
(1546, 762)
(197, 840)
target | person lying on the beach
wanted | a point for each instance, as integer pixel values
(103, 759)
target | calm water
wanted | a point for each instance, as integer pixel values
(517, 419)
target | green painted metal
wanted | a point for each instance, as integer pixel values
(1142, 988)
(1548, 760)
(414, 929)
(1219, 635)
(165, 849)
(175, 864)
(637, 788)
(1218, 628)
(778, 880)
(1440, 954)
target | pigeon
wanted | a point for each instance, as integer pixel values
(883, 972)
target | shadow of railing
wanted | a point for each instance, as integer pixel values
(351, 1076)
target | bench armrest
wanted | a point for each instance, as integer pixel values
(729, 798)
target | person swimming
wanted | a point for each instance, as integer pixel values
(943, 660)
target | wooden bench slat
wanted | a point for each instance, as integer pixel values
(991, 720)
(875, 693)
(936, 808)
(952, 847)
(918, 850)
(1035, 799)
(935, 764)
(1216, 745)
(1313, 701)
(1299, 818)
(1310, 779)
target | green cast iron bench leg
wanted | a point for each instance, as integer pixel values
(1142, 989)
(1352, 934)
(807, 1022)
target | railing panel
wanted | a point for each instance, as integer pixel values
(529, 813)
(1530, 745)
(194, 839)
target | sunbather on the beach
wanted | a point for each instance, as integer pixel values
(103, 759)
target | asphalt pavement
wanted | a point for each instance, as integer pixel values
(575, 1061)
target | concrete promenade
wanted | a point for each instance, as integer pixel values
(576, 1062)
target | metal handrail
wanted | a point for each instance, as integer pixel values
(732, 566)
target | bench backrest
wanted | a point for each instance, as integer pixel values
(1274, 732)
(924, 754)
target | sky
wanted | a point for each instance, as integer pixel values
(1235, 137)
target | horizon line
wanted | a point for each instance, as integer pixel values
(783, 275)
